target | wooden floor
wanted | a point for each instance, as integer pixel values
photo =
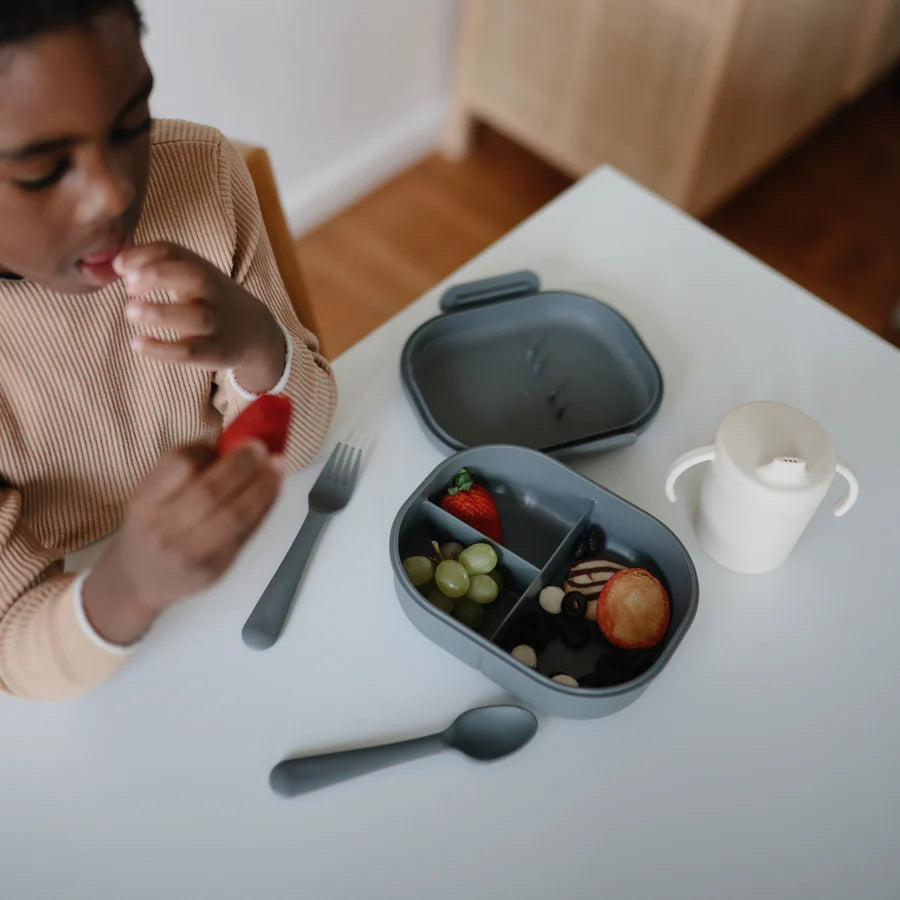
(827, 216)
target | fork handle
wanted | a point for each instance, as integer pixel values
(264, 625)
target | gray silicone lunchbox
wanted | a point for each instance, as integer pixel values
(545, 507)
(508, 363)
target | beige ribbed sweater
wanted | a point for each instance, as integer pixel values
(83, 418)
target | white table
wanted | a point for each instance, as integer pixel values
(763, 762)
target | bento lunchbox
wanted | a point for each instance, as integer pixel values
(508, 363)
(546, 509)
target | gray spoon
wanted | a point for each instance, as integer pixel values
(487, 732)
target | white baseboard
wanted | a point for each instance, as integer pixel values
(337, 185)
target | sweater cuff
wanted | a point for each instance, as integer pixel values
(87, 629)
(285, 375)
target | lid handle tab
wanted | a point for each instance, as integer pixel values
(488, 290)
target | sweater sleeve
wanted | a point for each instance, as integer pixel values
(308, 380)
(45, 652)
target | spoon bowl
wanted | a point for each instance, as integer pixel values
(489, 732)
(483, 733)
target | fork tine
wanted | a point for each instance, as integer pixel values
(354, 471)
(340, 473)
(337, 472)
(329, 464)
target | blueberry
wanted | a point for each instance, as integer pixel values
(574, 605)
(610, 670)
(575, 633)
(580, 550)
(595, 540)
(537, 628)
(616, 666)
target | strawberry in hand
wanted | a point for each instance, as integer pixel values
(474, 505)
(267, 418)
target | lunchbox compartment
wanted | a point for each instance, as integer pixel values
(605, 664)
(535, 518)
(429, 523)
(634, 540)
(625, 539)
(528, 598)
(609, 666)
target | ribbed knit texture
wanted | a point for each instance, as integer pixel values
(83, 417)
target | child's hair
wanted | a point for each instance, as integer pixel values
(23, 19)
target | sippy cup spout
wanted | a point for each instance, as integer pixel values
(784, 471)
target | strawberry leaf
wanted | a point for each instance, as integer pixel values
(462, 481)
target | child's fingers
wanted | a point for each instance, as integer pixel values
(228, 529)
(196, 351)
(176, 470)
(212, 491)
(133, 258)
(182, 278)
(194, 319)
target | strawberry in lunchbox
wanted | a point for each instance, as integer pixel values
(473, 504)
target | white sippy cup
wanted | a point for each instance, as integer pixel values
(771, 467)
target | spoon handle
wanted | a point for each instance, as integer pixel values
(306, 773)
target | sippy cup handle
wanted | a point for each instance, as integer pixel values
(843, 505)
(683, 463)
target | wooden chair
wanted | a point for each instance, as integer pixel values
(283, 246)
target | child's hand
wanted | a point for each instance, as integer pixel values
(218, 325)
(185, 525)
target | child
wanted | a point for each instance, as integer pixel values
(140, 308)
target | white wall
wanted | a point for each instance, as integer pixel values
(343, 93)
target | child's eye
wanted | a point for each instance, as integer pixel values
(38, 184)
(123, 135)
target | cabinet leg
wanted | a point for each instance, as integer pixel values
(459, 133)
(895, 319)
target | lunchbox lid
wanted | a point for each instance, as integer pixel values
(554, 371)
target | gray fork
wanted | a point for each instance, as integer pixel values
(329, 495)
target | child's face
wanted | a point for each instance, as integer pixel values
(74, 152)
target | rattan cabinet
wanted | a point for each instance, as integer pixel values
(690, 97)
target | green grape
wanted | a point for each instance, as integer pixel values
(419, 568)
(435, 595)
(451, 578)
(451, 550)
(469, 613)
(497, 577)
(479, 559)
(482, 589)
